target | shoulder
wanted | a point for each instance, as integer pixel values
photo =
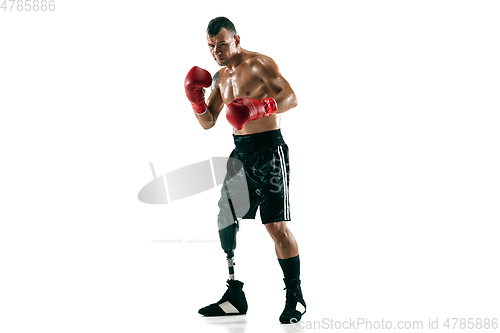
(262, 59)
(222, 73)
(219, 77)
(263, 62)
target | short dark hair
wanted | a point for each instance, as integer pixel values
(215, 26)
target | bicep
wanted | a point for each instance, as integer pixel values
(279, 88)
(278, 84)
(273, 78)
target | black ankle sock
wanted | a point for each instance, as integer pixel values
(290, 267)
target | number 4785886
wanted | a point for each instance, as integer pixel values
(28, 5)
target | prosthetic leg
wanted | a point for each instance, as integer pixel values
(233, 302)
(235, 193)
(228, 239)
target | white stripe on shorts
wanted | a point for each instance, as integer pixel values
(285, 183)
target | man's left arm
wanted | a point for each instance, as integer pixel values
(280, 89)
(281, 97)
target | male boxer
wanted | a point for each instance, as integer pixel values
(256, 94)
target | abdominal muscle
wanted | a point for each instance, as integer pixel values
(265, 124)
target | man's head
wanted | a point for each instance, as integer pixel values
(223, 41)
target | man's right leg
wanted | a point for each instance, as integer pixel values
(234, 204)
(233, 301)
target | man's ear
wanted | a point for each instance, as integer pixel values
(237, 40)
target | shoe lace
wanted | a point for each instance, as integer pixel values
(291, 297)
(228, 292)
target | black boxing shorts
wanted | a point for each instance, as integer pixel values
(264, 157)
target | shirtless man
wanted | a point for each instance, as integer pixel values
(256, 94)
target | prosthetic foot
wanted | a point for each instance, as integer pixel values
(290, 314)
(233, 302)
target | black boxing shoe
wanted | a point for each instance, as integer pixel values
(233, 302)
(290, 314)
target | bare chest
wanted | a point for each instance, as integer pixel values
(242, 82)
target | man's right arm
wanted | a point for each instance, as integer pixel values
(194, 84)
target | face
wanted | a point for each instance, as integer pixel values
(223, 46)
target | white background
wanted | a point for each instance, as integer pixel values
(394, 163)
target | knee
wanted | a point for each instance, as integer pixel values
(278, 231)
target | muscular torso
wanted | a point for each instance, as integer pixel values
(248, 80)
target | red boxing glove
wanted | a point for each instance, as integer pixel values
(196, 79)
(242, 110)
